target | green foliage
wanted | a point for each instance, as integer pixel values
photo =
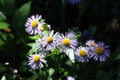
(25, 9)
(20, 15)
(51, 71)
(3, 25)
(33, 49)
(7, 6)
(34, 37)
(2, 17)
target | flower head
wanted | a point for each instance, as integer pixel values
(67, 41)
(35, 61)
(90, 43)
(70, 78)
(82, 54)
(48, 40)
(42, 27)
(74, 1)
(32, 24)
(100, 52)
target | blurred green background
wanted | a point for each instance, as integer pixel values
(101, 18)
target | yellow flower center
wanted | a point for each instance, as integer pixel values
(82, 53)
(99, 50)
(41, 27)
(34, 24)
(92, 44)
(66, 42)
(36, 58)
(49, 39)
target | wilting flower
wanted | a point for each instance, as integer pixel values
(67, 41)
(90, 43)
(74, 1)
(35, 61)
(48, 40)
(70, 78)
(32, 24)
(100, 52)
(82, 54)
(7, 29)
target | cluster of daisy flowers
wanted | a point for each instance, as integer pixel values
(67, 43)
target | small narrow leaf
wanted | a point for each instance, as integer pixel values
(34, 37)
(3, 78)
(32, 44)
(2, 17)
(78, 35)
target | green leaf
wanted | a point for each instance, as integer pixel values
(49, 78)
(70, 54)
(33, 49)
(2, 17)
(46, 27)
(25, 9)
(51, 71)
(3, 78)
(78, 35)
(32, 44)
(116, 56)
(18, 21)
(20, 16)
(34, 37)
(3, 25)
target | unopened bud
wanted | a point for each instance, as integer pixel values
(15, 71)
(7, 63)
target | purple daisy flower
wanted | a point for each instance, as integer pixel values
(82, 54)
(70, 78)
(67, 41)
(74, 1)
(90, 43)
(48, 40)
(100, 52)
(35, 61)
(32, 24)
